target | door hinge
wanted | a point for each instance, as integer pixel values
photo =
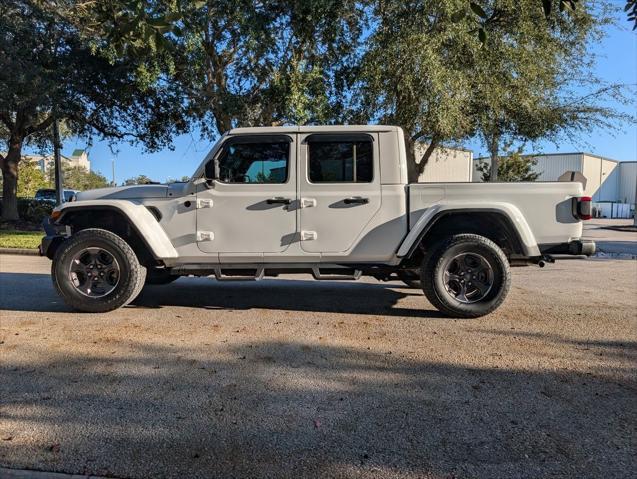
(308, 235)
(308, 202)
(205, 236)
(204, 203)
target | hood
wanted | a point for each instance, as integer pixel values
(125, 192)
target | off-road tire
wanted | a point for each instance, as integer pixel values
(131, 275)
(160, 276)
(431, 275)
(411, 278)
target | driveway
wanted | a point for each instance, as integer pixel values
(611, 242)
(294, 378)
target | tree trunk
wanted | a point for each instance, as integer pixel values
(414, 168)
(10, 180)
(494, 148)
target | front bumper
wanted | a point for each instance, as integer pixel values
(55, 235)
(576, 247)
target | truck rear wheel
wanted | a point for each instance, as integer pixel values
(466, 276)
(96, 271)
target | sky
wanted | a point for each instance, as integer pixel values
(616, 63)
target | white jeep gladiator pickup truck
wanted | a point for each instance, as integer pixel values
(332, 201)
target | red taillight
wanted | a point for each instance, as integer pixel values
(584, 207)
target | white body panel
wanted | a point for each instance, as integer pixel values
(145, 223)
(541, 212)
(335, 224)
(233, 224)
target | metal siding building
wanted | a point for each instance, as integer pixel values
(627, 181)
(552, 166)
(607, 181)
(446, 165)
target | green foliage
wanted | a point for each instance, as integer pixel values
(514, 167)
(526, 82)
(20, 239)
(247, 63)
(32, 211)
(138, 180)
(30, 180)
(77, 178)
(50, 59)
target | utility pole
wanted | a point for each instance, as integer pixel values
(57, 159)
(113, 171)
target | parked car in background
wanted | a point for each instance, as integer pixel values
(48, 194)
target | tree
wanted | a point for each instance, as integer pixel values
(514, 167)
(524, 81)
(77, 178)
(246, 63)
(413, 74)
(138, 180)
(31, 179)
(425, 69)
(49, 69)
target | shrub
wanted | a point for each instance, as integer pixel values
(32, 211)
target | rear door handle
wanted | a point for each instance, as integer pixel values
(356, 200)
(279, 201)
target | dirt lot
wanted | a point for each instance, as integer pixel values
(293, 378)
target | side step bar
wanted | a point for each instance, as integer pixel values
(221, 276)
(316, 272)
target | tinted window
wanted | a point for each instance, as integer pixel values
(254, 163)
(45, 195)
(341, 161)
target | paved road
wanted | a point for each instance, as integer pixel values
(611, 242)
(293, 378)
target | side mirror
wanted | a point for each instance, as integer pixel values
(209, 170)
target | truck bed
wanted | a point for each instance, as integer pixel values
(544, 209)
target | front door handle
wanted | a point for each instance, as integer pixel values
(279, 201)
(356, 200)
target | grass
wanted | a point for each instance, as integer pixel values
(20, 239)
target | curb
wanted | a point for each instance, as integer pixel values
(6, 473)
(20, 251)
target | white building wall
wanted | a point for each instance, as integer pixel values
(446, 165)
(627, 181)
(591, 168)
(551, 167)
(608, 182)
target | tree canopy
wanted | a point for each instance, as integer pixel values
(48, 69)
(443, 70)
(513, 167)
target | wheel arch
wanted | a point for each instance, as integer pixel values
(506, 228)
(138, 226)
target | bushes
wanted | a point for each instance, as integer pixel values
(32, 211)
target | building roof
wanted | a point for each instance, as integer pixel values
(77, 152)
(578, 153)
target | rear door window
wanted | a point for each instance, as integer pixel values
(346, 160)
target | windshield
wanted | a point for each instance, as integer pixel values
(49, 194)
(45, 195)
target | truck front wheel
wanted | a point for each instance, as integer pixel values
(96, 271)
(466, 276)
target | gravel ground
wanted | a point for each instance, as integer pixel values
(294, 378)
